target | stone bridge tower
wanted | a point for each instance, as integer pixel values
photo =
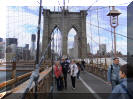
(65, 21)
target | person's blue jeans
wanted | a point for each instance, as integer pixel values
(78, 74)
(59, 83)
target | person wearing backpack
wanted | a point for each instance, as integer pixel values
(124, 90)
(113, 73)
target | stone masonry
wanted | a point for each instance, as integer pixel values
(65, 20)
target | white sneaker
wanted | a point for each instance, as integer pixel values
(73, 88)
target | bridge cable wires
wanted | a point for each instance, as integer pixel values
(98, 36)
(92, 4)
(105, 6)
(91, 39)
(35, 74)
(111, 31)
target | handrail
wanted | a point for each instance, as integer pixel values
(35, 74)
(21, 88)
(12, 81)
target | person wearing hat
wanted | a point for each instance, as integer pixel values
(65, 66)
(113, 73)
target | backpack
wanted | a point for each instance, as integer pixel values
(112, 72)
(111, 69)
(127, 92)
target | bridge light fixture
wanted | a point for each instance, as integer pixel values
(114, 23)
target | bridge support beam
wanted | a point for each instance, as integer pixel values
(64, 44)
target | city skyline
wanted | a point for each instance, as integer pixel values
(28, 29)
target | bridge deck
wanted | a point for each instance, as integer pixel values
(88, 86)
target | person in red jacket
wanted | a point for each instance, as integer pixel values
(58, 75)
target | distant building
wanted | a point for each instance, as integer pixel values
(11, 48)
(23, 53)
(102, 49)
(10, 41)
(75, 46)
(88, 49)
(27, 46)
(71, 52)
(2, 49)
(1, 39)
(32, 50)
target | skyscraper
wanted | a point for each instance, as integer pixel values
(33, 40)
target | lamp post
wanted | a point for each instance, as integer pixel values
(114, 23)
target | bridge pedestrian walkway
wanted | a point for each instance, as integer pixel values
(88, 86)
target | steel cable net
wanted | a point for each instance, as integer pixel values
(98, 24)
(22, 24)
(100, 34)
(22, 27)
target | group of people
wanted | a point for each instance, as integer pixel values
(121, 79)
(61, 69)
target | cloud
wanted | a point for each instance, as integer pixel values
(33, 10)
(30, 28)
(105, 36)
(26, 21)
(3, 21)
(71, 35)
(21, 24)
(67, 3)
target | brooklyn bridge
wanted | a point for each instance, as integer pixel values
(39, 36)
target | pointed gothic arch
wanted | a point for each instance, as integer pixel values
(76, 20)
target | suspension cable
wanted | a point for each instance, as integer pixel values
(91, 37)
(111, 32)
(98, 34)
(35, 74)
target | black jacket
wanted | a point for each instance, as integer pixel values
(65, 66)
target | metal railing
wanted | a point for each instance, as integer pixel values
(43, 86)
(35, 74)
(97, 70)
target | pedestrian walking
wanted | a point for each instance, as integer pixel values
(124, 90)
(79, 69)
(73, 72)
(83, 63)
(58, 75)
(65, 66)
(113, 73)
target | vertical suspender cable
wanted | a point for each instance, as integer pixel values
(91, 38)
(38, 33)
(98, 34)
(38, 43)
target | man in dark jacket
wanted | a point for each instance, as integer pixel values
(65, 66)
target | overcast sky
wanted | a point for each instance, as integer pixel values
(23, 29)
